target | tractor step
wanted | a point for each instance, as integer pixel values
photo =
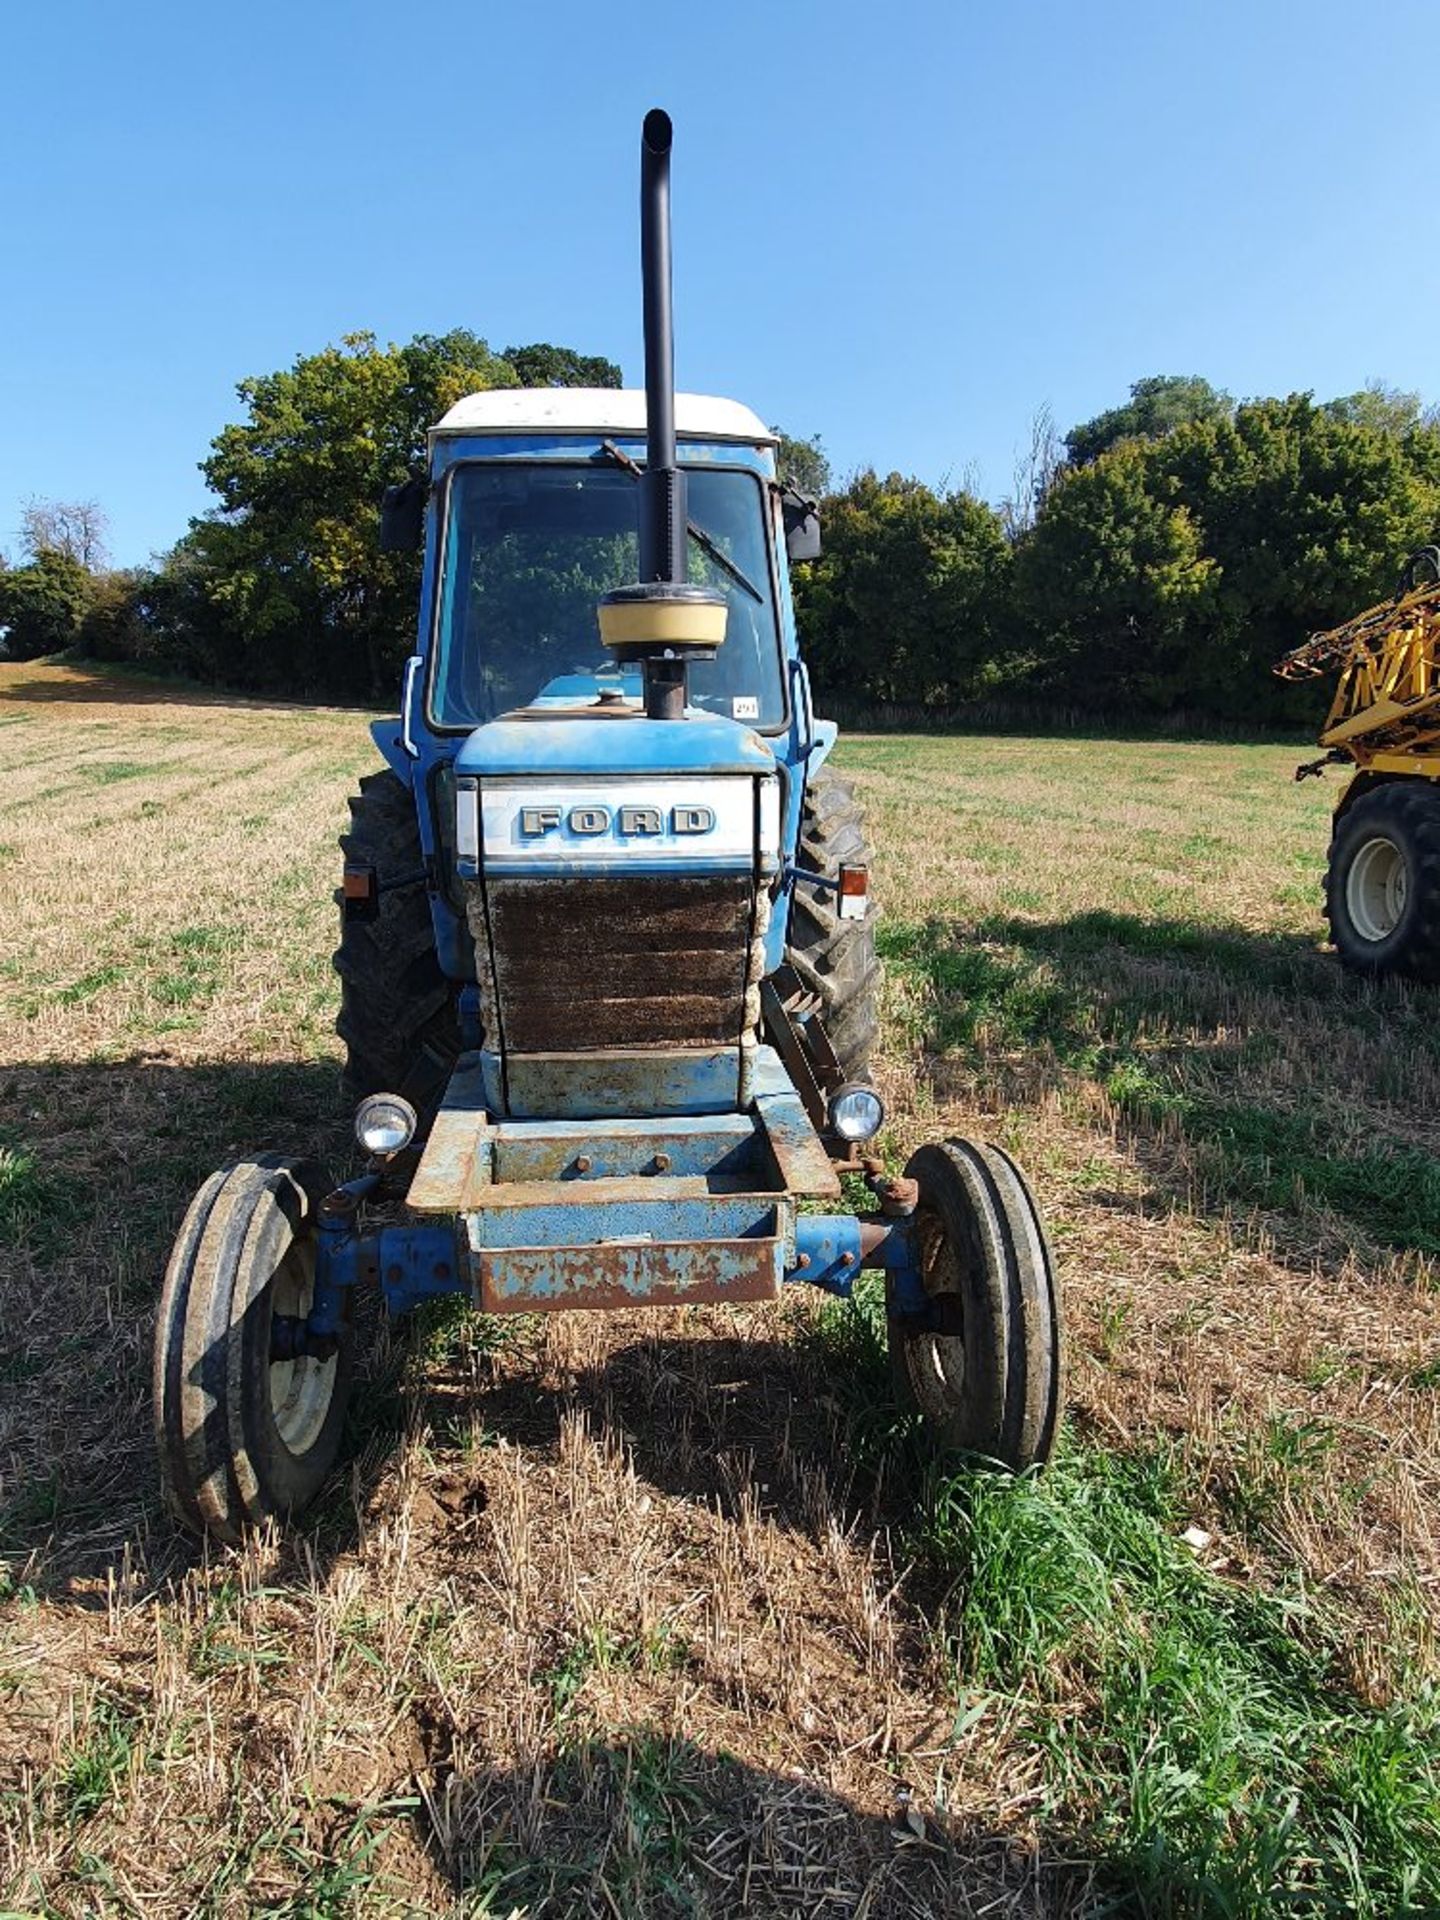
(768, 1147)
(722, 1145)
(586, 1195)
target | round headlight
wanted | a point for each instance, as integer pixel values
(856, 1111)
(385, 1123)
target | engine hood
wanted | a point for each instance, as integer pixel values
(707, 743)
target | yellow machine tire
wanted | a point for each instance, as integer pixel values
(1382, 886)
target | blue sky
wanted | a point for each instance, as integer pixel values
(903, 227)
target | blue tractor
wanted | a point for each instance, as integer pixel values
(607, 963)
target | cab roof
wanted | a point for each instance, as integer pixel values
(600, 410)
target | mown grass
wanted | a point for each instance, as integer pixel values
(671, 1614)
(1201, 1729)
(998, 989)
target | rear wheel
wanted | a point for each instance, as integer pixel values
(246, 1430)
(397, 1008)
(1382, 890)
(985, 1372)
(835, 958)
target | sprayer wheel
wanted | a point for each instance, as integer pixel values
(1382, 888)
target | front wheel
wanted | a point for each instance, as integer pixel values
(245, 1429)
(984, 1367)
(1382, 889)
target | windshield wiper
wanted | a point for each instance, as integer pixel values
(697, 534)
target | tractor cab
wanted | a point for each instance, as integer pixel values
(536, 521)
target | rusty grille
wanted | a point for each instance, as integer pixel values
(588, 963)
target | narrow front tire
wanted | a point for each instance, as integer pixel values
(245, 1431)
(984, 1370)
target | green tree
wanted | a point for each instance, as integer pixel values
(1306, 515)
(42, 604)
(1114, 586)
(802, 464)
(290, 567)
(1386, 409)
(1172, 573)
(542, 365)
(908, 601)
(1421, 448)
(1157, 406)
(175, 616)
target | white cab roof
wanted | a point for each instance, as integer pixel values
(698, 416)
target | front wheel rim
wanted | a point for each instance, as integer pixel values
(1376, 889)
(302, 1388)
(937, 1360)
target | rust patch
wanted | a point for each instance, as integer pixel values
(650, 1273)
(455, 1168)
(585, 963)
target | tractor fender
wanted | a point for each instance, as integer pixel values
(387, 738)
(827, 732)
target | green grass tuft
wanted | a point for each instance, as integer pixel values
(960, 990)
(37, 1206)
(106, 772)
(92, 1772)
(191, 971)
(1192, 1734)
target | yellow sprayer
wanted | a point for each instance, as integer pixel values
(1382, 887)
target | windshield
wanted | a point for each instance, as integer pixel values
(528, 552)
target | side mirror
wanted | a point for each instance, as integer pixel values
(402, 516)
(802, 525)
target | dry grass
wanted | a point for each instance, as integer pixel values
(1120, 966)
(627, 1615)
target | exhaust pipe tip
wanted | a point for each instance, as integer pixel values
(657, 131)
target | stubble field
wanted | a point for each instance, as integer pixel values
(652, 1615)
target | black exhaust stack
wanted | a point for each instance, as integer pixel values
(663, 622)
(663, 507)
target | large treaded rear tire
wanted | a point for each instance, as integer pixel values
(835, 958)
(397, 1008)
(1382, 887)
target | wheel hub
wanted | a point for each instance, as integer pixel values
(302, 1383)
(1376, 889)
(942, 1353)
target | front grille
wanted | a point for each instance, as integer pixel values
(587, 963)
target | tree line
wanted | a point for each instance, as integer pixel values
(1151, 561)
(1158, 560)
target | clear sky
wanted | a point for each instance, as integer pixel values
(902, 226)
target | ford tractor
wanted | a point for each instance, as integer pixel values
(607, 963)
